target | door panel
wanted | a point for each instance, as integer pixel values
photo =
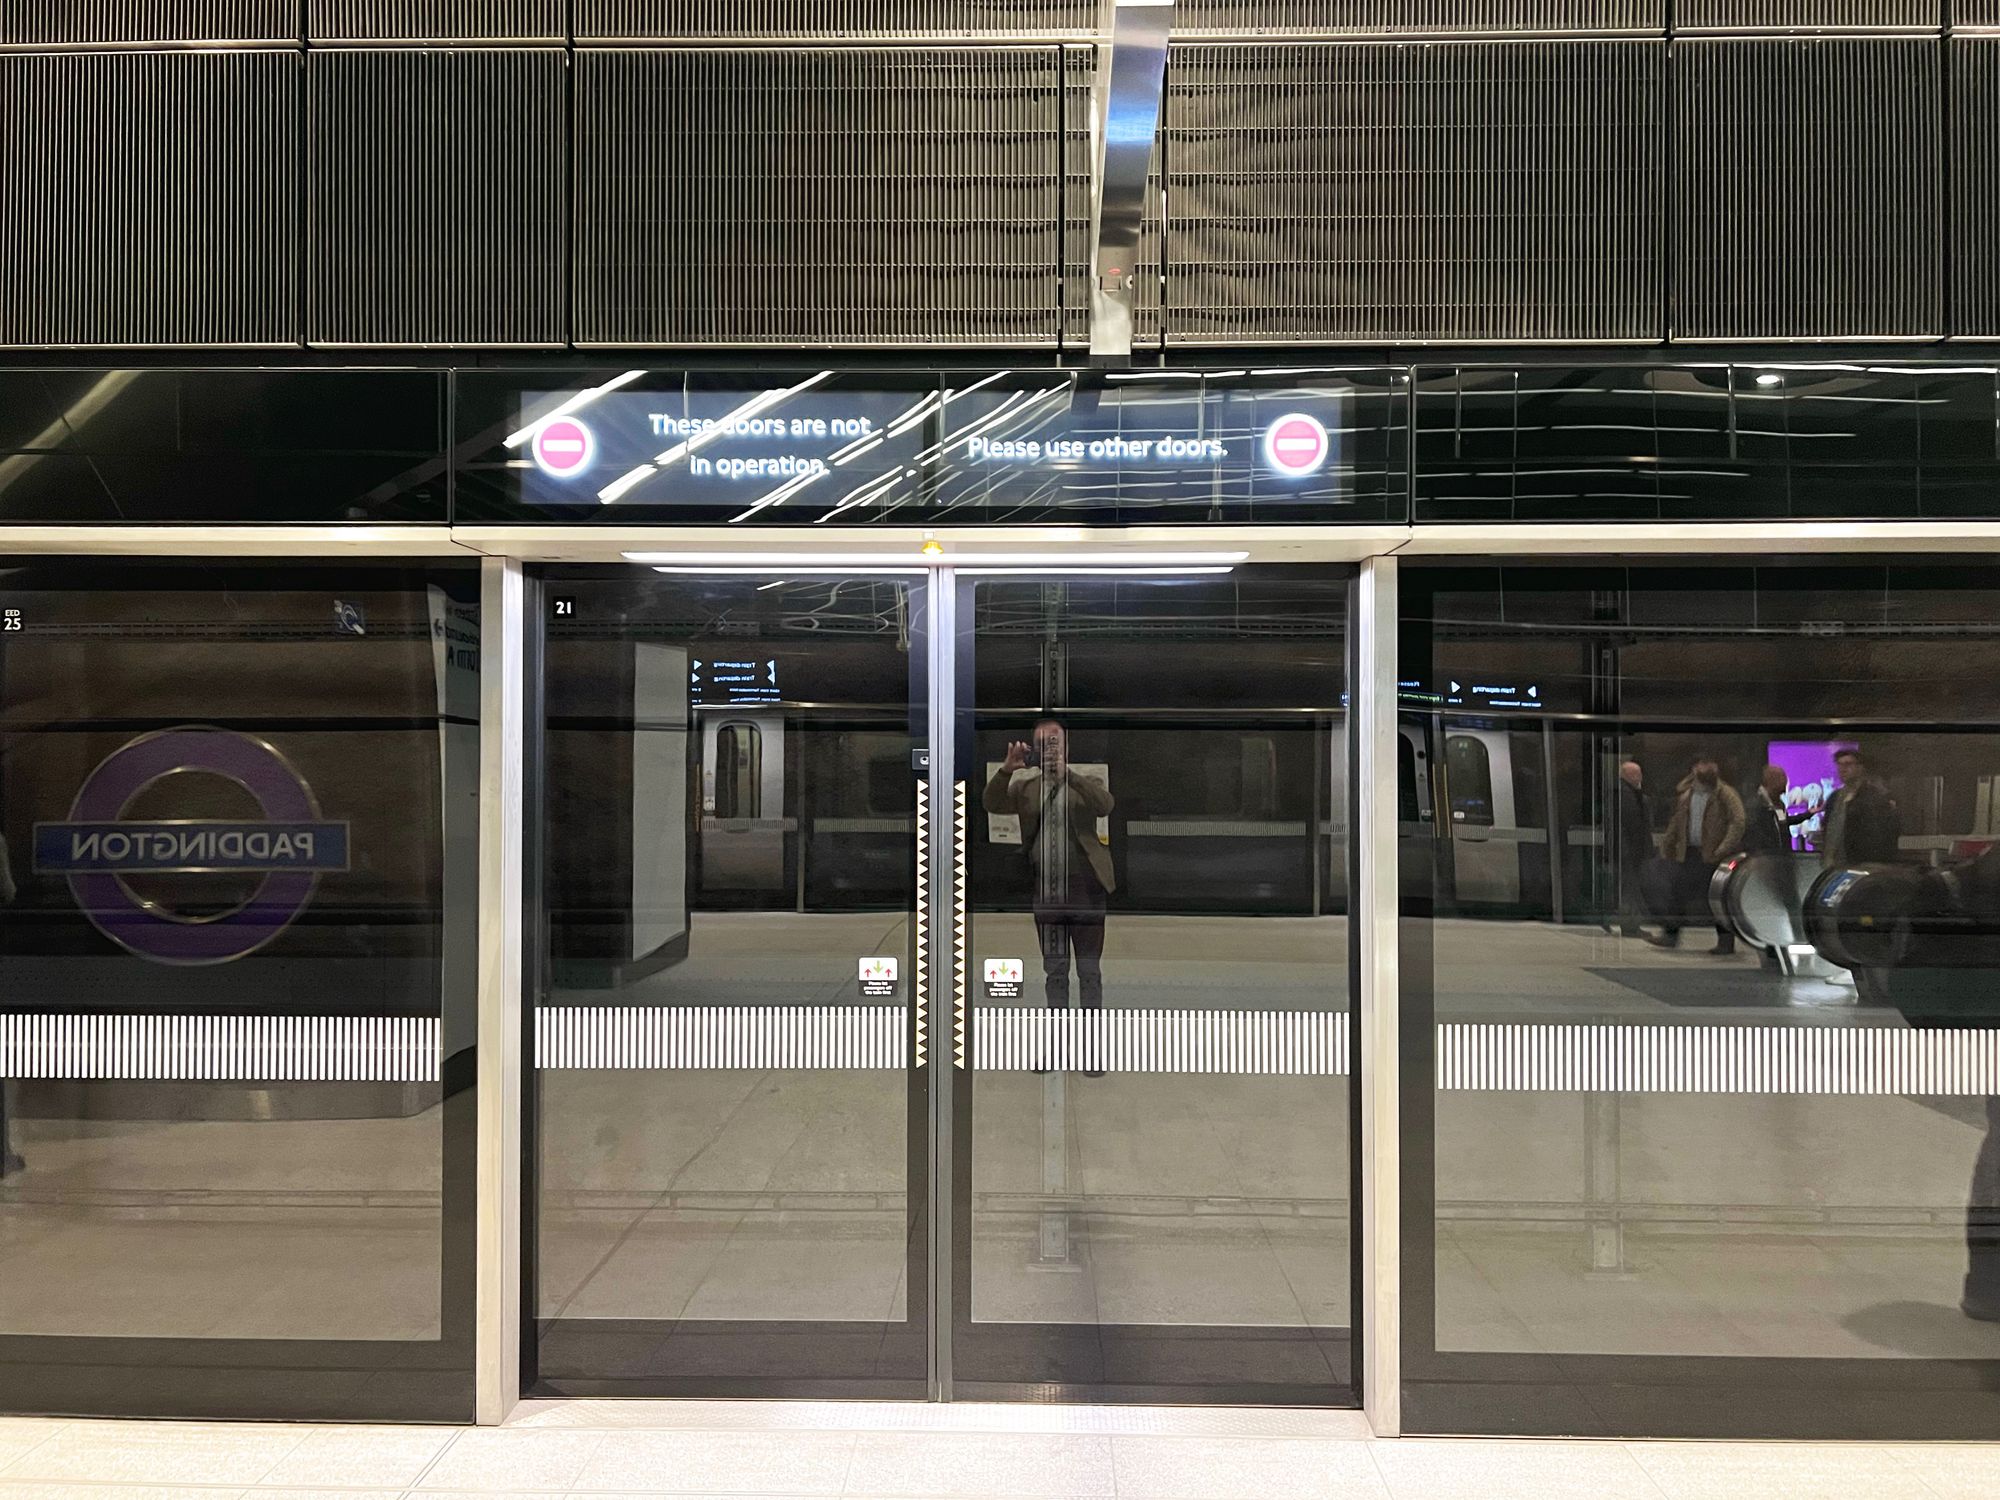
(1154, 1196)
(730, 1135)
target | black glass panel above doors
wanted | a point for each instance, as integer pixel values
(238, 923)
(1701, 1044)
(223, 447)
(1707, 443)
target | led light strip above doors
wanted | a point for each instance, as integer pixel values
(1092, 562)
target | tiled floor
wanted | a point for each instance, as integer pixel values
(914, 1452)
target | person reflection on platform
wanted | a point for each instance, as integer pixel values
(1706, 829)
(1768, 835)
(1072, 872)
(1863, 823)
(1632, 846)
(1945, 979)
(1769, 829)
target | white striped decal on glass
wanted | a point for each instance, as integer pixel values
(1297, 1042)
(223, 1049)
(722, 1036)
(1529, 1058)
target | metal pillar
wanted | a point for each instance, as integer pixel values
(502, 738)
(1377, 1006)
(943, 892)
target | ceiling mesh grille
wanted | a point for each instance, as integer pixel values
(849, 197)
(437, 197)
(60, 22)
(1378, 193)
(1203, 18)
(152, 198)
(1779, 15)
(438, 20)
(1975, 249)
(1807, 195)
(844, 20)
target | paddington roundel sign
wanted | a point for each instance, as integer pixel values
(563, 448)
(101, 849)
(1296, 445)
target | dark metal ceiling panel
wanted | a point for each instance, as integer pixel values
(1247, 18)
(837, 20)
(438, 20)
(1783, 15)
(850, 197)
(438, 197)
(1975, 195)
(59, 22)
(1807, 188)
(1385, 193)
(151, 198)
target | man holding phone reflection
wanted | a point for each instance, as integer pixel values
(1059, 809)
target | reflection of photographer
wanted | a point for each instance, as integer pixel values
(1059, 809)
(1929, 943)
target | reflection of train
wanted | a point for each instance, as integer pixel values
(815, 809)
(1219, 819)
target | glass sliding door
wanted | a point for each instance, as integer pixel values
(1046, 904)
(728, 1127)
(1153, 1124)
(1701, 1031)
(238, 921)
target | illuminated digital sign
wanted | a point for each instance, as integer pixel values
(1023, 439)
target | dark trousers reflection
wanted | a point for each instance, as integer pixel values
(1076, 933)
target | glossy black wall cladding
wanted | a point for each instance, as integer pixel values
(1429, 444)
(238, 930)
(148, 447)
(1670, 1168)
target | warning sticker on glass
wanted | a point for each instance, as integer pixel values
(878, 978)
(1003, 978)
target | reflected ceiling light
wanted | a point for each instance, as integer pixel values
(1769, 379)
(574, 404)
(65, 425)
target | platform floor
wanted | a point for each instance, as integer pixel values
(591, 1449)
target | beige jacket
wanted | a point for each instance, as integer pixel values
(1721, 827)
(1021, 796)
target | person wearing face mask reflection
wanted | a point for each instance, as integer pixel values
(1059, 808)
(1706, 828)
